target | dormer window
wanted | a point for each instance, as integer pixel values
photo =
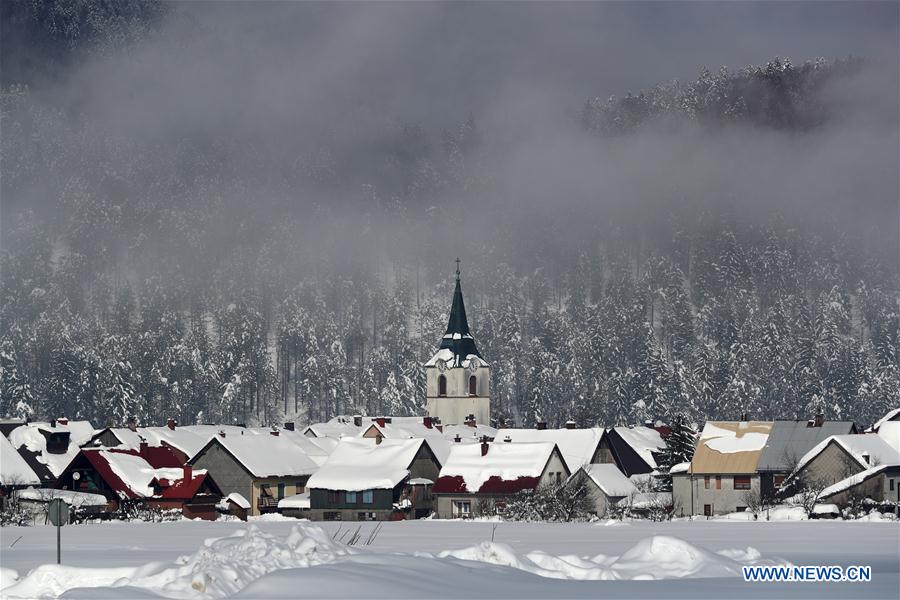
(473, 386)
(442, 385)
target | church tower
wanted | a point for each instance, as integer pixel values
(457, 379)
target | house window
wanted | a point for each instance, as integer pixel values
(706, 481)
(718, 482)
(707, 510)
(442, 386)
(366, 516)
(299, 487)
(891, 484)
(331, 515)
(740, 509)
(558, 477)
(334, 497)
(742, 482)
(368, 497)
(280, 491)
(473, 386)
(462, 508)
(778, 480)
(351, 498)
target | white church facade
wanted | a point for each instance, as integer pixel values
(457, 378)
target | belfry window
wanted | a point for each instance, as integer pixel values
(473, 386)
(442, 385)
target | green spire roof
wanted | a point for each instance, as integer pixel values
(457, 339)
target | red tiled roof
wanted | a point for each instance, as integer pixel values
(159, 457)
(456, 485)
(182, 489)
(102, 467)
(179, 489)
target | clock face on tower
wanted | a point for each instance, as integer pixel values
(474, 363)
(441, 365)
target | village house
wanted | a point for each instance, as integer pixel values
(788, 441)
(374, 479)
(606, 485)
(127, 478)
(480, 478)
(634, 449)
(838, 457)
(721, 477)
(879, 485)
(892, 416)
(261, 468)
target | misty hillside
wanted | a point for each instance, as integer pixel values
(221, 242)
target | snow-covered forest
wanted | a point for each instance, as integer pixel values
(260, 266)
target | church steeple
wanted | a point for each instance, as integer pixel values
(457, 338)
(457, 378)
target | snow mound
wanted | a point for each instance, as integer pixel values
(657, 557)
(222, 567)
(243, 561)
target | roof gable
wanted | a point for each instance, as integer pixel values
(730, 446)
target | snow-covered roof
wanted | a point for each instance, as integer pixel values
(889, 431)
(852, 481)
(238, 500)
(609, 479)
(680, 468)
(300, 501)
(452, 360)
(644, 441)
(576, 445)
(129, 439)
(31, 436)
(866, 449)
(730, 446)
(71, 498)
(188, 439)
(266, 455)
(364, 464)
(503, 460)
(892, 415)
(13, 468)
(337, 427)
(468, 433)
(137, 473)
(409, 429)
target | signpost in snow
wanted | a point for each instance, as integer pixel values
(58, 511)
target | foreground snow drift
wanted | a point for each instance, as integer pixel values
(261, 564)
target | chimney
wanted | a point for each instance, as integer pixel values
(501, 424)
(820, 420)
(188, 473)
(743, 417)
(470, 420)
(648, 423)
(274, 432)
(357, 420)
(289, 426)
(484, 446)
(457, 439)
(378, 439)
(570, 424)
(541, 425)
(381, 421)
(171, 423)
(426, 421)
(388, 419)
(142, 449)
(221, 433)
(63, 420)
(132, 424)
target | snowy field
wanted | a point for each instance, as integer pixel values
(445, 559)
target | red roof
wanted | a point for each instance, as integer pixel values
(182, 489)
(456, 485)
(179, 489)
(159, 457)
